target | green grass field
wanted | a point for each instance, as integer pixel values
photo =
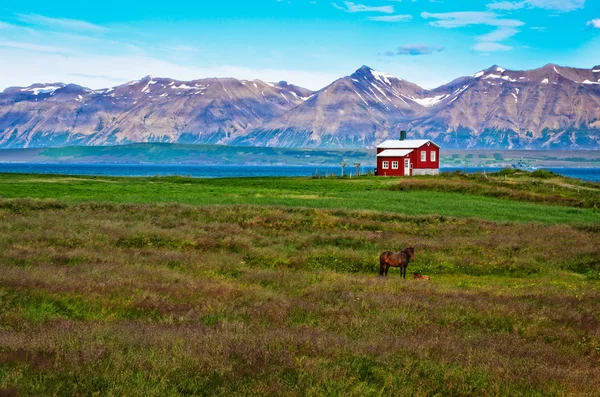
(369, 193)
(270, 286)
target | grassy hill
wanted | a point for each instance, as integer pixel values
(171, 286)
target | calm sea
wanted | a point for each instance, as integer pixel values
(229, 171)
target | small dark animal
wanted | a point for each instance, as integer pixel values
(400, 259)
(421, 276)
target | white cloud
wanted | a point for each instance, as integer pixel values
(467, 18)
(180, 48)
(62, 23)
(391, 18)
(506, 28)
(554, 5)
(415, 49)
(506, 5)
(594, 23)
(100, 71)
(98, 62)
(491, 47)
(557, 5)
(33, 47)
(352, 7)
(498, 35)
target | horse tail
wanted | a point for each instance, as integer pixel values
(382, 262)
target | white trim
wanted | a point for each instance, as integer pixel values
(406, 144)
(423, 155)
(394, 165)
(394, 153)
(385, 165)
(432, 156)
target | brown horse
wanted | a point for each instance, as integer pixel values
(420, 276)
(400, 259)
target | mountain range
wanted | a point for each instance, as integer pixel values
(552, 107)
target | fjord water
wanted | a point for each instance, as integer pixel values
(234, 171)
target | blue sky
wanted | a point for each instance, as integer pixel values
(306, 42)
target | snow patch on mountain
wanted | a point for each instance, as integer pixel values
(496, 76)
(383, 77)
(375, 95)
(181, 87)
(366, 103)
(43, 90)
(382, 93)
(429, 102)
(146, 89)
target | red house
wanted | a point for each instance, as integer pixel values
(407, 157)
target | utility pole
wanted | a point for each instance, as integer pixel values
(357, 165)
(343, 164)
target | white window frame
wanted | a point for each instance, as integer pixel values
(423, 156)
(385, 165)
(394, 165)
(433, 156)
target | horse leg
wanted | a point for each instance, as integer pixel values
(403, 269)
(381, 266)
(387, 267)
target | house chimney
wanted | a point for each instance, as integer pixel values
(402, 135)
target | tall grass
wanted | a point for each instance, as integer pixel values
(170, 299)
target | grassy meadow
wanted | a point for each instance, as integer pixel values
(269, 286)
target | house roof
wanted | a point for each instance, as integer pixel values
(405, 144)
(394, 153)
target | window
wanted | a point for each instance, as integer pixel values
(385, 165)
(394, 165)
(432, 156)
(423, 156)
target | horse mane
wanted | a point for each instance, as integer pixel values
(405, 253)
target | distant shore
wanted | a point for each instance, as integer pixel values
(186, 154)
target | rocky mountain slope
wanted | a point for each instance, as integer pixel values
(551, 107)
(149, 110)
(354, 111)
